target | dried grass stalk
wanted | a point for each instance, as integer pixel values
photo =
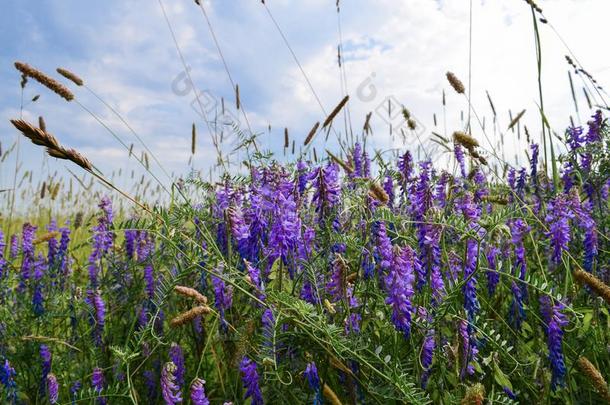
(457, 85)
(50, 83)
(465, 140)
(70, 76)
(312, 132)
(378, 193)
(189, 315)
(515, 120)
(54, 149)
(46, 237)
(193, 139)
(596, 284)
(336, 111)
(595, 377)
(191, 293)
(330, 395)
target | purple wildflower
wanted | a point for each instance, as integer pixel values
(169, 388)
(198, 392)
(14, 248)
(46, 358)
(426, 356)
(440, 190)
(98, 315)
(468, 348)
(303, 173)
(285, 229)
(27, 250)
(177, 357)
(558, 215)
(471, 303)
(431, 242)
(405, 167)
(327, 188)
(250, 381)
(555, 320)
(7, 378)
(459, 156)
(97, 382)
(149, 280)
(388, 186)
(357, 159)
(52, 388)
(517, 313)
(595, 125)
(313, 379)
(366, 166)
(383, 249)
(239, 228)
(223, 298)
(399, 287)
(76, 386)
(255, 278)
(3, 261)
(130, 243)
(493, 276)
(103, 239)
(519, 228)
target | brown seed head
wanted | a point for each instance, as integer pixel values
(191, 293)
(595, 377)
(378, 193)
(189, 315)
(457, 85)
(311, 133)
(594, 283)
(48, 82)
(70, 76)
(465, 140)
(335, 111)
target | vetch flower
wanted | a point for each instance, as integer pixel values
(313, 379)
(177, 357)
(249, 377)
(559, 213)
(170, 390)
(426, 356)
(198, 392)
(97, 382)
(98, 315)
(7, 378)
(399, 287)
(555, 320)
(52, 388)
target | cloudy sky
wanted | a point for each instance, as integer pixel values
(396, 51)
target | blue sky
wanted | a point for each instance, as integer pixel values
(401, 50)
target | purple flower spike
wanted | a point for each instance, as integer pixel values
(313, 379)
(177, 357)
(250, 381)
(427, 353)
(52, 388)
(169, 388)
(198, 392)
(399, 287)
(555, 322)
(97, 382)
